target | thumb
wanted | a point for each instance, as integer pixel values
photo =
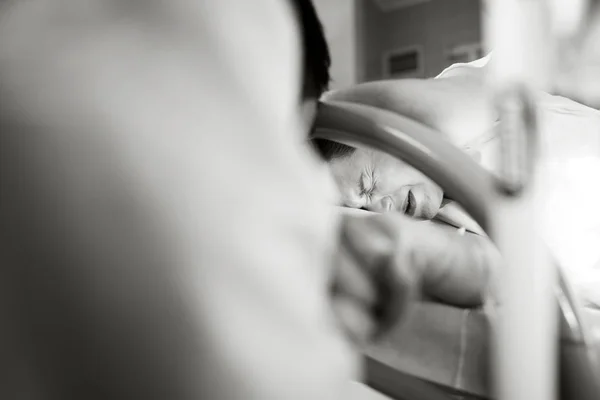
(375, 243)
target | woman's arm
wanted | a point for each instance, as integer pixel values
(457, 105)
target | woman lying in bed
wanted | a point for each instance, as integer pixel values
(455, 103)
(375, 181)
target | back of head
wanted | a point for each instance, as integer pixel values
(316, 76)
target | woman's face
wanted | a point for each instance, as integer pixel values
(378, 182)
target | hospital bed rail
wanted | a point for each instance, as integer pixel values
(477, 191)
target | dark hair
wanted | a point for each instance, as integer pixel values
(317, 60)
(329, 150)
(316, 77)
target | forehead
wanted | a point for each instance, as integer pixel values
(358, 159)
(366, 160)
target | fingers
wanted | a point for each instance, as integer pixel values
(355, 319)
(370, 240)
(353, 280)
(452, 214)
(355, 294)
(458, 268)
(373, 246)
(386, 261)
(398, 285)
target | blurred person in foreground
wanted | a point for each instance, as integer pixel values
(166, 230)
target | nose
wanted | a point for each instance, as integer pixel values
(384, 205)
(387, 204)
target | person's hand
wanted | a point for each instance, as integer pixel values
(387, 261)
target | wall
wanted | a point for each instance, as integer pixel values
(371, 46)
(339, 18)
(436, 25)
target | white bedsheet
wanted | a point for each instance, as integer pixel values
(571, 136)
(573, 225)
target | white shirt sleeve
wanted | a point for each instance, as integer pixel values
(188, 111)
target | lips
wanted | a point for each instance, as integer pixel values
(409, 205)
(412, 201)
(411, 208)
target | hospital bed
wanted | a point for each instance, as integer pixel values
(538, 344)
(445, 351)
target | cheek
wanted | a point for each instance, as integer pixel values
(436, 196)
(394, 175)
(433, 195)
(401, 174)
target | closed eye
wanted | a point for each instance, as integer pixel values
(366, 184)
(362, 184)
